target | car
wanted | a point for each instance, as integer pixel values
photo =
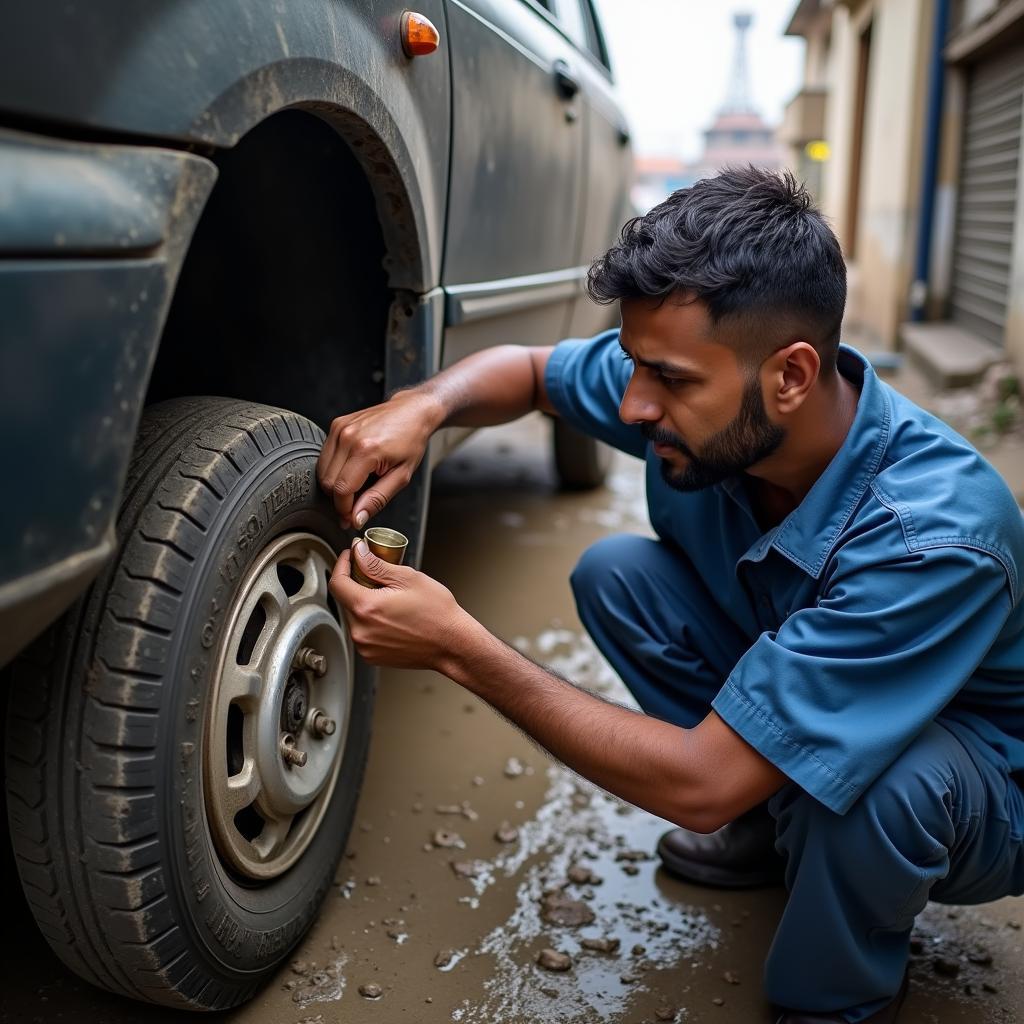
(223, 224)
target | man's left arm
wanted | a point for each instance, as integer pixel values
(700, 778)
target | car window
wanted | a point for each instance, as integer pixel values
(571, 18)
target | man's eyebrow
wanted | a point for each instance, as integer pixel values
(661, 366)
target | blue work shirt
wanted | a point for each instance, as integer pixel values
(889, 598)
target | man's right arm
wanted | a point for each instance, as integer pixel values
(495, 385)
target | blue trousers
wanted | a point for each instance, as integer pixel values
(943, 822)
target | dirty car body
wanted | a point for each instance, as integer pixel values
(274, 204)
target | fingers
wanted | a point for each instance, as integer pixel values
(352, 476)
(376, 568)
(374, 498)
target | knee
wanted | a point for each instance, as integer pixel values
(604, 569)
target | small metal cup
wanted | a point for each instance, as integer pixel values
(387, 544)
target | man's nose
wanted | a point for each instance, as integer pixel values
(635, 407)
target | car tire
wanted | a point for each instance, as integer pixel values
(581, 462)
(128, 770)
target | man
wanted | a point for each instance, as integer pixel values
(828, 635)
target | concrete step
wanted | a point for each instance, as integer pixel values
(948, 355)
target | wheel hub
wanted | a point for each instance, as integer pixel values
(284, 672)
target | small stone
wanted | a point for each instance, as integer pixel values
(551, 993)
(444, 957)
(718, 1001)
(477, 780)
(989, 987)
(373, 880)
(371, 991)
(630, 869)
(506, 833)
(601, 945)
(630, 979)
(552, 960)
(1015, 925)
(981, 957)
(417, 808)
(448, 809)
(365, 826)
(632, 855)
(557, 908)
(946, 968)
(513, 768)
(578, 874)
(731, 978)
(429, 999)
(468, 868)
(639, 950)
(300, 967)
(665, 1013)
(448, 840)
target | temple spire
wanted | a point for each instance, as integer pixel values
(737, 100)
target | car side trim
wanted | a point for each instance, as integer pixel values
(468, 302)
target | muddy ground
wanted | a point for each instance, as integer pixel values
(446, 773)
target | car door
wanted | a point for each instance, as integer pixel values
(608, 157)
(510, 264)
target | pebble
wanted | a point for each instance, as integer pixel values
(988, 987)
(639, 950)
(947, 968)
(632, 855)
(506, 833)
(718, 1001)
(444, 957)
(630, 979)
(601, 945)
(371, 991)
(468, 868)
(665, 1013)
(552, 960)
(513, 768)
(556, 908)
(579, 874)
(448, 840)
(631, 869)
(981, 957)
(373, 880)
(731, 978)
(477, 780)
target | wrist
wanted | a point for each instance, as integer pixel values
(464, 643)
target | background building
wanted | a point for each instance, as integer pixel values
(921, 109)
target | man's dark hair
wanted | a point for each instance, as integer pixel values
(747, 243)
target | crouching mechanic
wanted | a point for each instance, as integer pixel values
(827, 637)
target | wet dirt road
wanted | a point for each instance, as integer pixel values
(444, 918)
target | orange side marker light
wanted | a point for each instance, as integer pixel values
(419, 37)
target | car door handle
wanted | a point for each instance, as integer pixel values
(567, 85)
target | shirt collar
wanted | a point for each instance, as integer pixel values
(810, 531)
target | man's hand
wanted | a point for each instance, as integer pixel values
(387, 440)
(411, 622)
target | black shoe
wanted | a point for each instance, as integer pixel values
(740, 855)
(886, 1015)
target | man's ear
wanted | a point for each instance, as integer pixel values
(791, 373)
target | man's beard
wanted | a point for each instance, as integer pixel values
(748, 439)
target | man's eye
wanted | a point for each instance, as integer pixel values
(672, 382)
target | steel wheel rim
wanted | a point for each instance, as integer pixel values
(263, 810)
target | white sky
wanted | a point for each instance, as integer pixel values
(672, 59)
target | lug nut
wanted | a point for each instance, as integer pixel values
(321, 723)
(307, 657)
(290, 753)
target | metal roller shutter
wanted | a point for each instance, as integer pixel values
(989, 185)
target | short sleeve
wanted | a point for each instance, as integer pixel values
(585, 381)
(842, 688)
